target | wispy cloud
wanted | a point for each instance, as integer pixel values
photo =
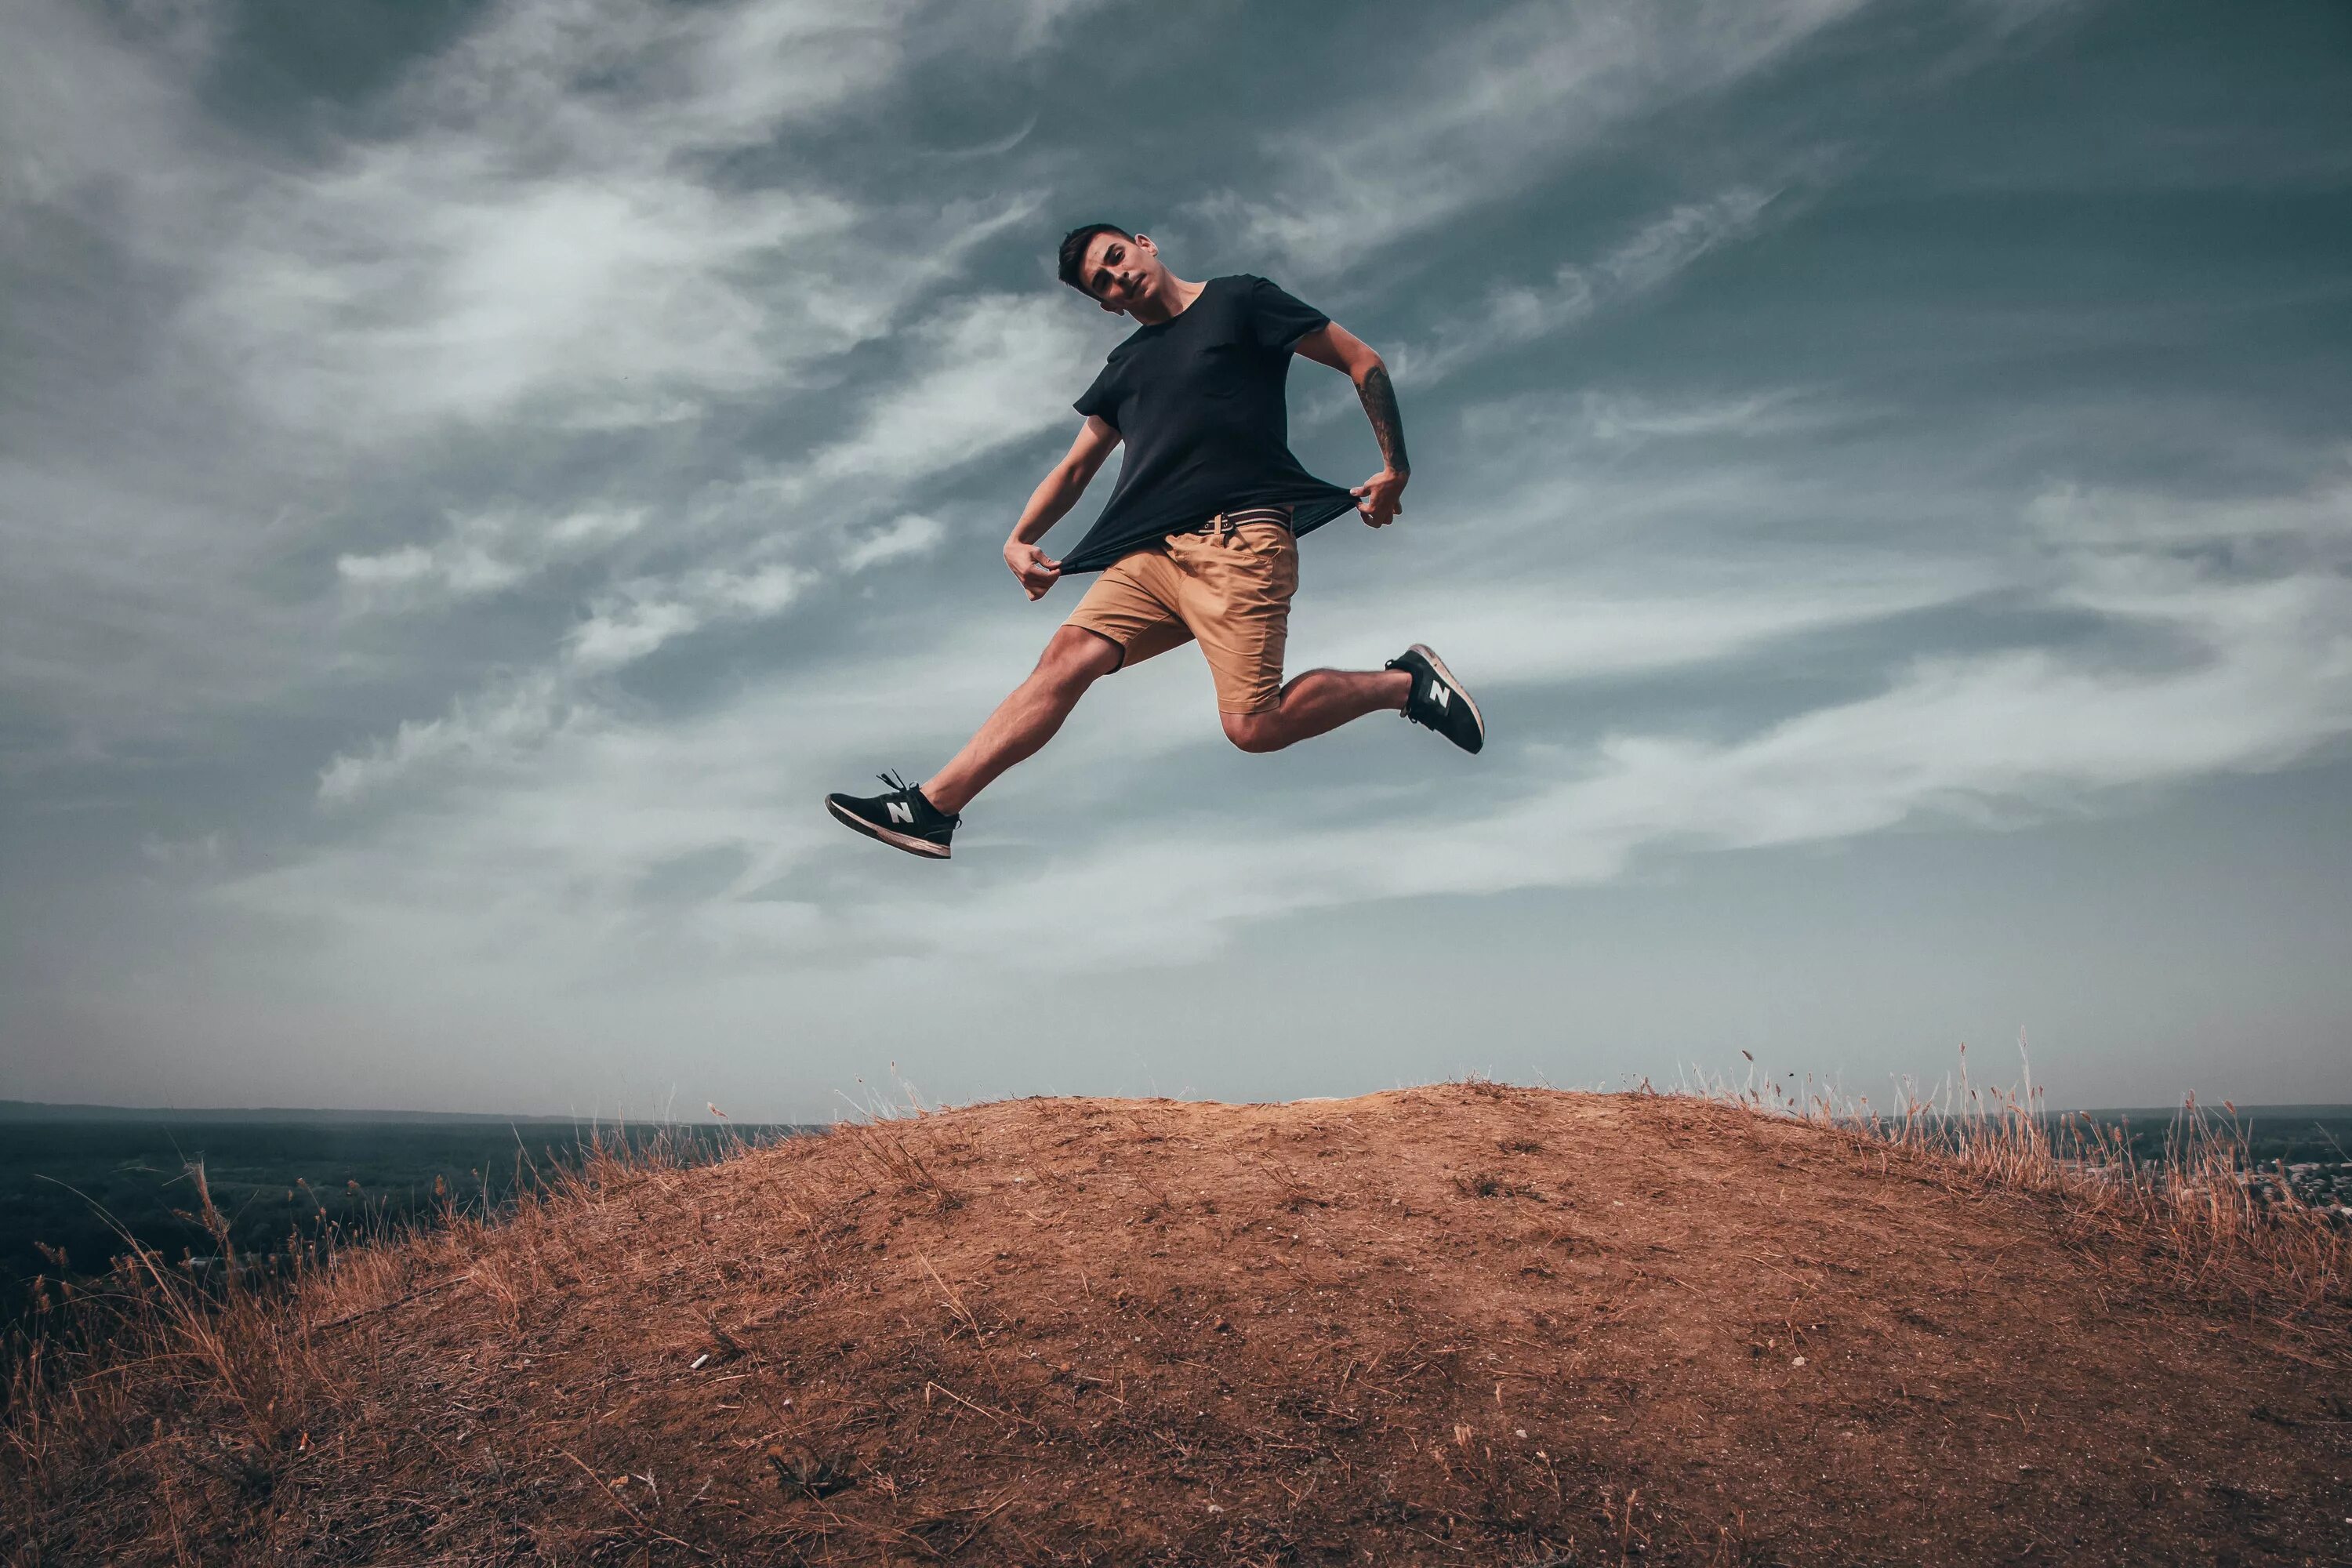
(990, 373)
(486, 730)
(1515, 318)
(993, 370)
(578, 221)
(481, 554)
(639, 618)
(902, 537)
(2105, 515)
(1492, 111)
(547, 230)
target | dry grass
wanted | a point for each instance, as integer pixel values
(2196, 1205)
(222, 1371)
(909, 1341)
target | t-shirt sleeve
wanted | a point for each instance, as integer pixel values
(1097, 402)
(1278, 319)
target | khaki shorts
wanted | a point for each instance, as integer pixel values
(1228, 586)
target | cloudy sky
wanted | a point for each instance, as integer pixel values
(472, 474)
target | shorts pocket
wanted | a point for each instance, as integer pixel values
(1267, 541)
(1257, 537)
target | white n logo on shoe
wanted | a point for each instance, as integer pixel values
(901, 812)
(1437, 695)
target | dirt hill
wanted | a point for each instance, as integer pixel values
(1464, 1325)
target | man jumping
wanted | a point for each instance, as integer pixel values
(1198, 541)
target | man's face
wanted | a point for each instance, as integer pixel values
(1119, 271)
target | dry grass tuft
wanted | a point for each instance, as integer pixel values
(2197, 1207)
(205, 1382)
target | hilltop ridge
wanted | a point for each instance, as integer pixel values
(1462, 1324)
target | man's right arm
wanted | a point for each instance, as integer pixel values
(1055, 494)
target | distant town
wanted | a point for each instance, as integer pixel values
(2315, 1184)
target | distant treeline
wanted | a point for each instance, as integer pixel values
(67, 1180)
(2269, 1133)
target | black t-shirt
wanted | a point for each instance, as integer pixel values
(1198, 400)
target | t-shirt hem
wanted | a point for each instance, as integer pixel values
(1306, 516)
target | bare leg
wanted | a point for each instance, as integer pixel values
(1318, 700)
(1073, 660)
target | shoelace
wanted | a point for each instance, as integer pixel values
(901, 786)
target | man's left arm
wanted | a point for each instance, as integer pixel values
(1381, 496)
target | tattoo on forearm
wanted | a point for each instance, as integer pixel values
(1387, 424)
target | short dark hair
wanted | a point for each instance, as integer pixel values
(1073, 252)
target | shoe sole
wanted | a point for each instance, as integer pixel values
(1460, 690)
(911, 845)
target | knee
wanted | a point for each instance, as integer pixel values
(1063, 675)
(1254, 731)
(1075, 661)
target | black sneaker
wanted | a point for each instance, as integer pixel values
(1438, 702)
(902, 818)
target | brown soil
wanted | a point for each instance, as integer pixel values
(1465, 1324)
